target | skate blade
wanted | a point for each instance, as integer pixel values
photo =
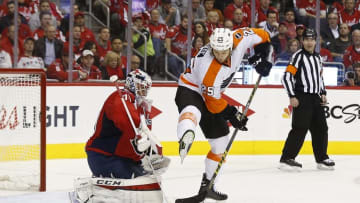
(325, 168)
(287, 168)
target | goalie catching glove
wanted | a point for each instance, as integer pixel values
(231, 114)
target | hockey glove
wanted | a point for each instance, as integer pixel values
(263, 67)
(234, 116)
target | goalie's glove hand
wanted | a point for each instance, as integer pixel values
(234, 116)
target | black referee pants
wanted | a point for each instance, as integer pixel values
(309, 115)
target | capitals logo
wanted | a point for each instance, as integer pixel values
(287, 112)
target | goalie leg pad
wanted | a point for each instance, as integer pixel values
(144, 189)
(115, 167)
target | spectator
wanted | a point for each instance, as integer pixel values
(51, 6)
(28, 60)
(139, 43)
(198, 11)
(169, 15)
(209, 6)
(280, 40)
(7, 43)
(158, 32)
(212, 21)
(113, 66)
(103, 42)
(299, 32)
(48, 47)
(78, 42)
(200, 30)
(229, 24)
(292, 46)
(270, 24)
(86, 33)
(34, 21)
(5, 59)
(197, 43)
(87, 65)
(176, 42)
(59, 69)
(337, 6)
(45, 20)
(307, 8)
(330, 31)
(7, 20)
(338, 47)
(24, 9)
(152, 4)
(353, 77)
(349, 14)
(24, 30)
(135, 62)
(290, 23)
(90, 45)
(263, 10)
(324, 52)
(352, 55)
(230, 9)
(117, 47)
(238, 20)
(64, 25)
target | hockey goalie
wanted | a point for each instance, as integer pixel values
(125, 158)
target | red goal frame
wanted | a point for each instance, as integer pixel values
(42, 117)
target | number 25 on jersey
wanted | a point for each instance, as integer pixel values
(207, 90)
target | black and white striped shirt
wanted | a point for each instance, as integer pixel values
(304, 74)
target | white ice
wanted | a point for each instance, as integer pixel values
(246, 179)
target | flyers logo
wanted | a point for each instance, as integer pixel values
(287, 112)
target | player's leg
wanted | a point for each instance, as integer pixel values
(189, 105)
(215, 129)
(301, 121)
(319, 137)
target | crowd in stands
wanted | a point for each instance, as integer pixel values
(43, 37)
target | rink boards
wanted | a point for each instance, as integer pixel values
(72, 110)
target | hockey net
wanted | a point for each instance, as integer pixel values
(22, 129)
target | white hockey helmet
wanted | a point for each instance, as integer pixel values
(138, 82)
(221, 39)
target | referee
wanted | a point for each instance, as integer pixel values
(304, 84)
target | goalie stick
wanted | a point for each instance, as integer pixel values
(114, 79)
(201, 196)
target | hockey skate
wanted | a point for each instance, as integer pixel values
(212, 193)
(185, 143)
(289, 165)
(327, 164)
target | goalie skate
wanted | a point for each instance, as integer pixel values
(185, 144)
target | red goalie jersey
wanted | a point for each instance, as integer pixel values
(114, 134)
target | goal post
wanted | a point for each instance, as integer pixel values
(22, 129)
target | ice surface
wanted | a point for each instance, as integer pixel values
(246, 179)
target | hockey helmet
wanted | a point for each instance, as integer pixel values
(221, 39)
(138, 82)
(310, 33)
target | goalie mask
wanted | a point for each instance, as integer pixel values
(138, 82)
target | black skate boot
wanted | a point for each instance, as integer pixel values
(289, 165)
(211, 194)
(327, 164)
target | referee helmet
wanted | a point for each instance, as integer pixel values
(310, 33)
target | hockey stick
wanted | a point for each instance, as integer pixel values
(114, 79)
(201, 196)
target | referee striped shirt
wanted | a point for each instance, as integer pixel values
(304, 74)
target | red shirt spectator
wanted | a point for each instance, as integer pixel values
(337, 6)
(351, 56)
(103, 43)
(349, 14)
(87, 65)
(158, 30)
(7, 43)
(152, 4)
(310, 6)
(24, 31)
(59, 70)
(86, 33)
(55, 11)
(262, 10)
(178, 36)
(326, 55)
(229, 10)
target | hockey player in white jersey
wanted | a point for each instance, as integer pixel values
(199, 99)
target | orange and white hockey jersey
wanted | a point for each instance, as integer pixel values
(210, 78)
